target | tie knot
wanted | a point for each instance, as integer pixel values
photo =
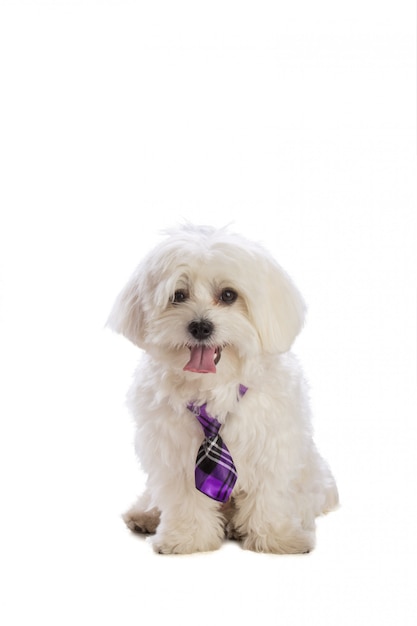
(210, 424)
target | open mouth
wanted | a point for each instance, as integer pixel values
(203, 359)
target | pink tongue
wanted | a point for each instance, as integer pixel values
(201, 360)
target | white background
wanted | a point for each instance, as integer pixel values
(294, 120)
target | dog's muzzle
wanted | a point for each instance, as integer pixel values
(203, 358)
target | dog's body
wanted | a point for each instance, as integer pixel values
(213, 311)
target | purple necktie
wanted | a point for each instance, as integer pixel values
(215, 472)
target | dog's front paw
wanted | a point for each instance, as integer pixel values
(295, 542)
(140, 521)
(174, 543)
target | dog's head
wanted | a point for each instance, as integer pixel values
(204, 292)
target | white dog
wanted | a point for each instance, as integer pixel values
(216, 317)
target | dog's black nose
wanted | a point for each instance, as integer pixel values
(201, 330)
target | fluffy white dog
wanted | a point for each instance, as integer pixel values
(216, 317)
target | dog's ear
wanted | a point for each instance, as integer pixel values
(127, 315)
(280, 310)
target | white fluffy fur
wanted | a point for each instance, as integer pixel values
(283, 483)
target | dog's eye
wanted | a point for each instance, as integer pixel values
(228, 296)
(180, 295)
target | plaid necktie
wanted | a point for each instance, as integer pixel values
(215, 472)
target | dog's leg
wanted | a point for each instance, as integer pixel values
(268, 526)
(190, 522)
(142, 517)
